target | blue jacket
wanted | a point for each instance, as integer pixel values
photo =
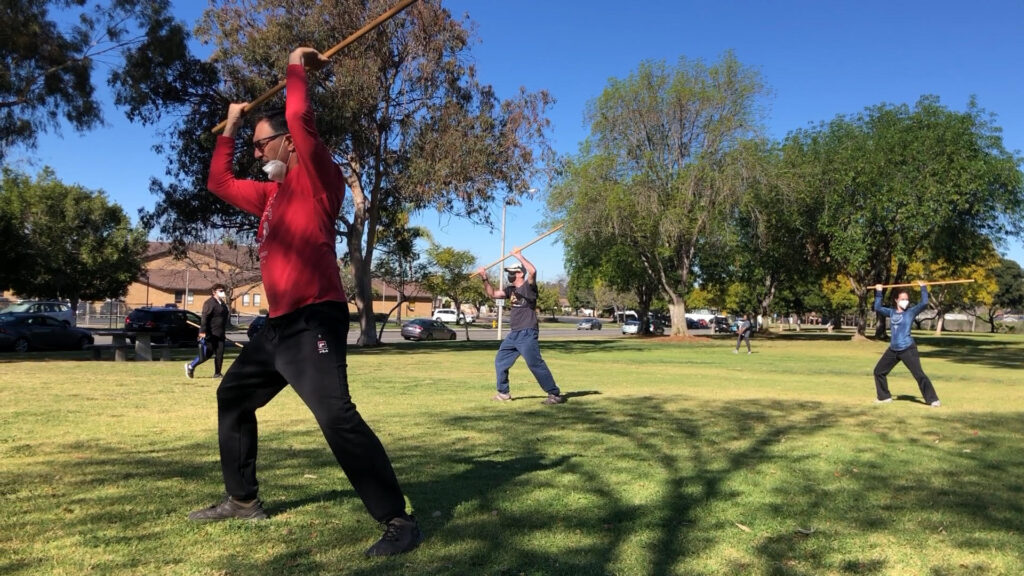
(900, 322)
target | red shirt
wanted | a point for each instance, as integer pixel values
(297, 217)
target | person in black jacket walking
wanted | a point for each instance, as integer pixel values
(215, 318)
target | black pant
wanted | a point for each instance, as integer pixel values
(305, 348)
(910, 358)
(214, 347)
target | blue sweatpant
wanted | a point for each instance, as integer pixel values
(523, 343)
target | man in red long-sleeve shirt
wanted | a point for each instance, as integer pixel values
(304, 340)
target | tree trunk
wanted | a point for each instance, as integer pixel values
(938, 324)
(363, 293)
(677, 312)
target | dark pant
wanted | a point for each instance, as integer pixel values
(306, 349)
(912, 361)
(523, 343)
(211, 346)
(744, 336)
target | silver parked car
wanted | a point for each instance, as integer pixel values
(588, 324)
(51, 308)
(426, 329)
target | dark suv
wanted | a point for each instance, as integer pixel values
(174, 324)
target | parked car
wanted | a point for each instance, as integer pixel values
(177, 327)
(631, 327)
(53, 309)
(449, 316)
(256, 325)
(24, 332)
(426, 329)
(724, 325)
(692, 324)
(589, 324)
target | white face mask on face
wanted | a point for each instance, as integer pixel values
(275, 169)
(903, 304)
(220, 294)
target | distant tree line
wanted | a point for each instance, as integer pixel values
(677, 197)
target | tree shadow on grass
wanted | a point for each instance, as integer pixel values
(573, 489)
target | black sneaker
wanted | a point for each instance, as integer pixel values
(190, 371)
(231, 508)
(400, 535)
(554, 399)
(218, 375)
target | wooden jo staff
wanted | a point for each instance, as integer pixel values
(926, 282)
(528, 244)
(226, 340)
(331, 52)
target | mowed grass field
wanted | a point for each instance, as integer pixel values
(669, 458)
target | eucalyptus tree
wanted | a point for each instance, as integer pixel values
(662, 168)
(402, 110)
(51, 49)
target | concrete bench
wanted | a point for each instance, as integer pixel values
(120, 351)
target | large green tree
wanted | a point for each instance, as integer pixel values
(402, 109)
(74, 244)
(1009, 296)
(51, 49)
(452, 276)
(897, 184)
(662, 168)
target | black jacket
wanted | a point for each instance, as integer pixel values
(215, 318)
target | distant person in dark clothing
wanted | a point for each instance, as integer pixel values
(524, 330)
(742, 333)
(902, 347)
(212, 332)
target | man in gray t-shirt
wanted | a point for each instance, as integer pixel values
(522, 339)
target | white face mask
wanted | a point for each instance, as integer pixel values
(220, 294)
(275, 169)
(903, 304)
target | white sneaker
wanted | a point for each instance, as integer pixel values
(886, 401)
(935, 404)
(735, 351)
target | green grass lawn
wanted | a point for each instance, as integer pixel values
(669, 458)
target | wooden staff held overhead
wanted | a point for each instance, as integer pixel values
(530, 243)
(331, 52)
(928, 283)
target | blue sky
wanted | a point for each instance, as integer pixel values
(820, 59)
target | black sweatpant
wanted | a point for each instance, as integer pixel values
(912, 360)
(306, 349)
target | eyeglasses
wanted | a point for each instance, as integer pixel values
(260, 144)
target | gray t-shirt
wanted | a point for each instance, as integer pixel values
(743, 327)
(523, 301)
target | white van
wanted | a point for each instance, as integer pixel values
(448, 315)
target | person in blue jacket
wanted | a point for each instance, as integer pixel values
(902, 347)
